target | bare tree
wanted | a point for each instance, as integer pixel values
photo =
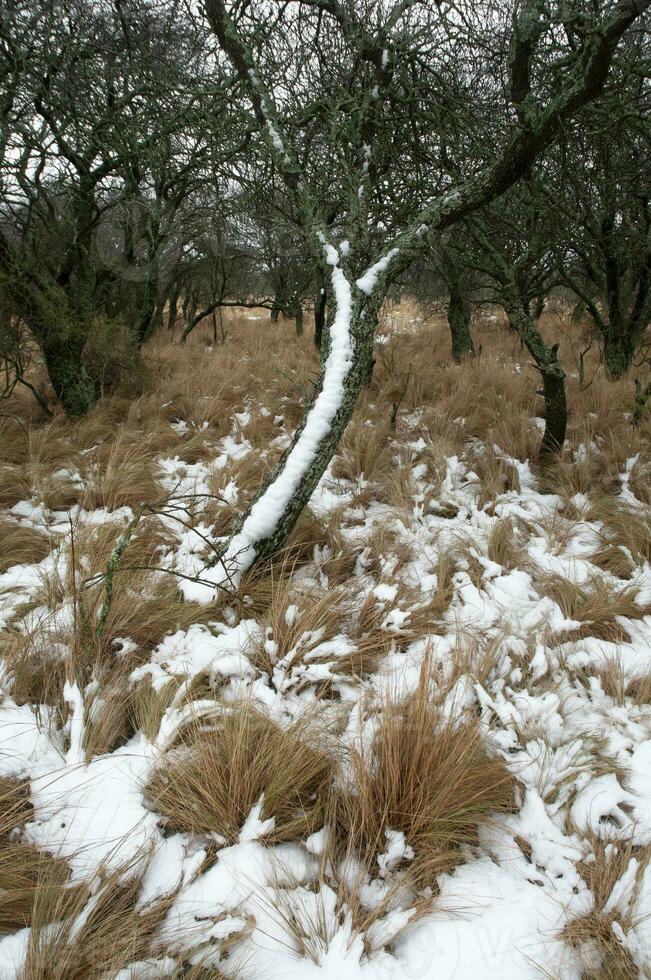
(546, 91)
(607, 216)
(105, 140)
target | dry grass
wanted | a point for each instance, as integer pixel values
(505, 545)
(593, 473)
(146, 604)
(25, 872)
(36, 666)
(626, 537)
(91, 938)
(298, 623)
(617, 686)
(596, 932)
(429, 777)
(120, 474)
(314, 914)
(21, 545)
(496, 473)
(596, 605)
(385, 547)
(213, 777)
(640, 480)
(364, 452)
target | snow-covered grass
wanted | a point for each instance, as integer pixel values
(417, 743)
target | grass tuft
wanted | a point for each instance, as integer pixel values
(210, 780)
(428, 777)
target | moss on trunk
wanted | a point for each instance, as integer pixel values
(546, 359)
(618, 354)
(71, 383)
(459, 323)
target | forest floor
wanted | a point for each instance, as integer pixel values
(416, 744)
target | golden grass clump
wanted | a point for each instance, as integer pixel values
(298, 621)
(13, 487)
(21, 545)
(385, 545)
(25, 872)
(121, 474)
(210, 780)
(617, 686)
(145, 605)
(36, 666)
(309, 533)
(428, 777)
(496, 473)
(597, 933)
(625, 537)
(593, 473)
(640, 480)
(364, 451)
(505, 547)
(596, 605)
(82, 938)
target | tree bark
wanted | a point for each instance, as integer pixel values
(642, 396)
(145, 321)
(60, 331)
(459, 323)
(618, 353)
(241, 551)
(319, 316)
(172, 310)
(458, 310)
(278, 305)
(546, 358)
(73, 387)
(555, 411)
(361, 369)
(197, 317)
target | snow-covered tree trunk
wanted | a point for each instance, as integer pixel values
(273, 514)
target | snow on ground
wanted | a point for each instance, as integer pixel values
(581, 756)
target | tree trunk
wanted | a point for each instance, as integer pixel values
(618, 353)
(277, 306)
(642, 396)
(298, 318)
(172, 310)
(264, 529)
(459, 322)
(145, 321)
(319, 316)
(197, 317)
(546, 359)
(59, 330)
(555, 411)
(217, 326)
(73, 387)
